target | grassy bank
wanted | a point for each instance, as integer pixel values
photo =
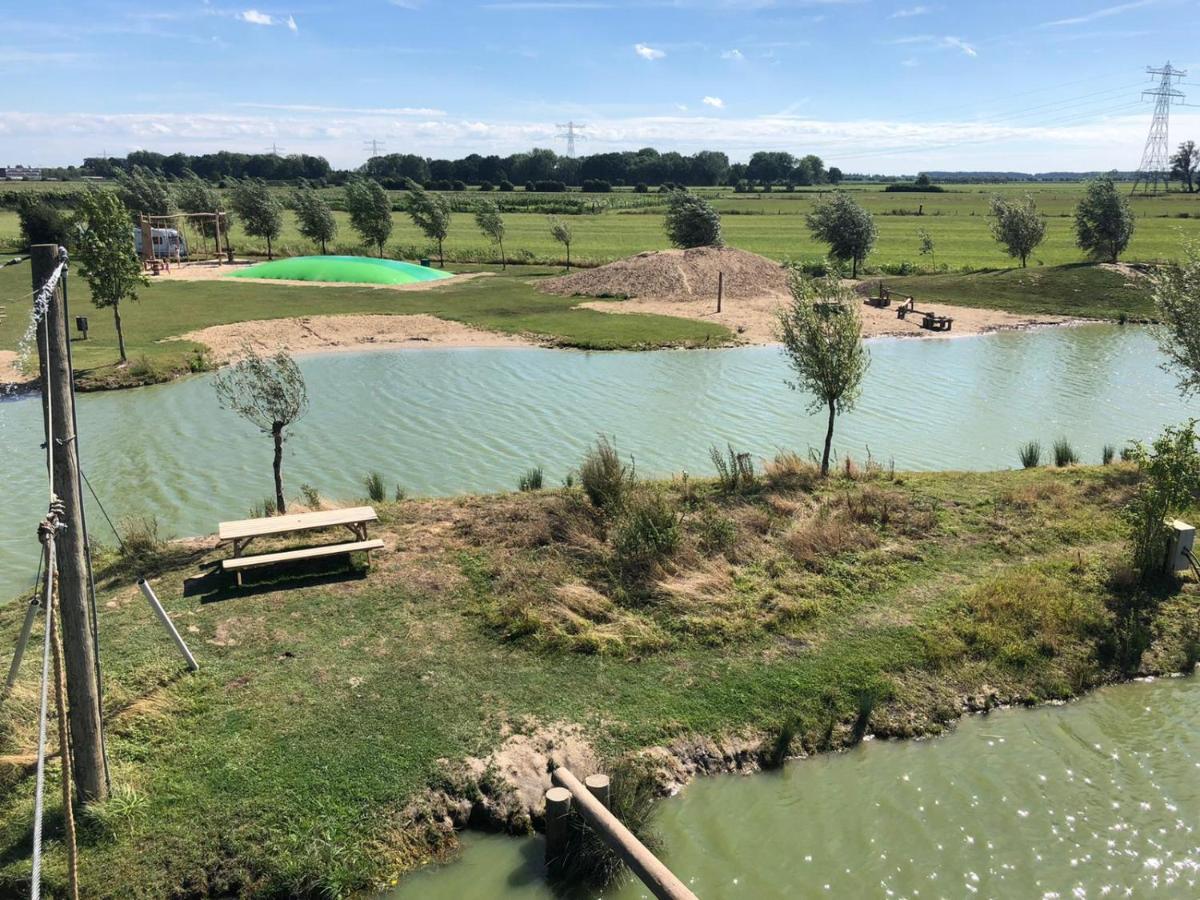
(1086, 290)
(326, 699)
(504, 302)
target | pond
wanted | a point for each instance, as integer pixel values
(451, 421)
(1098, 798)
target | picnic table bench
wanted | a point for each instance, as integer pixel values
(243, 531)
(930, 320)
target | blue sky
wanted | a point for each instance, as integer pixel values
(870, 85)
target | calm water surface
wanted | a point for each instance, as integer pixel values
(448, 421)
(1097, 799)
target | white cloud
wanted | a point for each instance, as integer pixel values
(734, 54)
(910, 12)
(646, 52)
(291, 24)
(682, 107)
(1098, 14)
(714, 102)
(254, 17)
(910, 63)
(958, 44)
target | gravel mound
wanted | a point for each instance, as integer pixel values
(677, 275)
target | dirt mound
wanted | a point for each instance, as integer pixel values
(678, 275)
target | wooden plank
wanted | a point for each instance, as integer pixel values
(265, 559)
(246, 528)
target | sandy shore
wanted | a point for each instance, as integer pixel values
(10, 374)
(309, 334)
(207, 271)
(753, 320)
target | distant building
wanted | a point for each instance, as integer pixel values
(20, 173)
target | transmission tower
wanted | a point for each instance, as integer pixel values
(274, 149)
(572, 131)
(1156, 158)
(374, 146)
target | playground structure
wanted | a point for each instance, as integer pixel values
(160, 240)
(930, 320)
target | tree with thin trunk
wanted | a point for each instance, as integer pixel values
(925, 247)
(821, 333)
(259, 209)
(561, 232)
(270, 394)
(491, 223)
(1184, 164)
(430, 213)
(1176, 293)
(145, 193)
(1103, 220)
(846, 227)
(195, 195)
(107, 255)
(314, 218)
(1017, 224)
(370, 211)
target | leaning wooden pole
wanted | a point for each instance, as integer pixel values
(58, 409)
(660, 880)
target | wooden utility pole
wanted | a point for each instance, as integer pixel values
(58, 412)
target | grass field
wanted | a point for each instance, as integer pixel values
(773, 225)
(325, 701)
(504, 302)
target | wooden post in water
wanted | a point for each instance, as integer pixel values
(58, 408)
(657, 878)
(558, 813)
(720, 289)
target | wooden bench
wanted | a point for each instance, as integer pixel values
(241, 532)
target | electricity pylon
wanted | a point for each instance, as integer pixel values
(1156, 158)
(572, 131)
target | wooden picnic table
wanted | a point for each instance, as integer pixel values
(243, 531)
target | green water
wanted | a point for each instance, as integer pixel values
(450, 421)
(1098, 798)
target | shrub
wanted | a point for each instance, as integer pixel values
(717, 532)
(1107, 453)
(530, 187)
(1064, 453)
(486, 186)
(263, 508)
(531, 480)
(549, 187)
(595, 186)
(506, 186)
(646, 533)
(642, 188)
(691, 221)
(373, 483)
(1171, 470)
(400, 495)
(140, 541)
(792, 472)
(458, 185)
(735, 471)
(312, 499)
(604, 478)
(1031, 454)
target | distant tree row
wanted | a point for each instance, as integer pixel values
(215, 166)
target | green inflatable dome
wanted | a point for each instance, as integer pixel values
(347, 269)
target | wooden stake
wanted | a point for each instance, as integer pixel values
(720, 289)
(558, 813)
(601, 789)
(83, 688)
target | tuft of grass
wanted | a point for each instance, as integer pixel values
(263, 509)
(789, 471)
(400, 494)
(716, 532)
(118, 816)
(774, 754)
(312, 499)
(815, 542)
(1064, 453)
(1031, 454)
(735, 471)
(1107, 454)
(141, 545)
(373, 483)
(532, 480)
(604, 478)
(646, 533)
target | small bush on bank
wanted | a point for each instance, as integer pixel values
(1031, 454)
(646, 533)
(735, 471)
(373, 483)
(715, 531)
(1064, 453)
(604, 478)
(141, 543)
(312, 499)
(531, 480)
(263, 508)
(1107, 454)
(792, 472)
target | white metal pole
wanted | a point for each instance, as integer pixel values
(148, 593)
(19, 653)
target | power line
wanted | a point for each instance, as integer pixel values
(373, 146)
(1156, 157)
(572, 131)
(274, 149)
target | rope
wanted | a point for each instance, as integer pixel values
(103, 511)
(64, 753)
(46, 531)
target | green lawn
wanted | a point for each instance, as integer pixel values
(1074, 290)
(505, 302)
(325, 700)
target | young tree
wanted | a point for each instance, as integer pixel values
(107, 255)
(821, 333)
(490, 222)
(926, 244)
(370, 211)
(1176, 292)
(314, 218)
(270, 394)
(195, 195)
(848, 228)
(1017, 225)
(561, 232)
(691, 221)
(1184, 164)
(430, 213)
(1103, 220)
(144, 193)
(259, 209)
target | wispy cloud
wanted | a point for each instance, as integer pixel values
(535, 5)
(1098, 14)
(734, 54)
(958, 44)
(714, 102)
(647, 52)
(254, 17)
(911, 11)
(291, 24)
(358, 110)
(946, 42)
